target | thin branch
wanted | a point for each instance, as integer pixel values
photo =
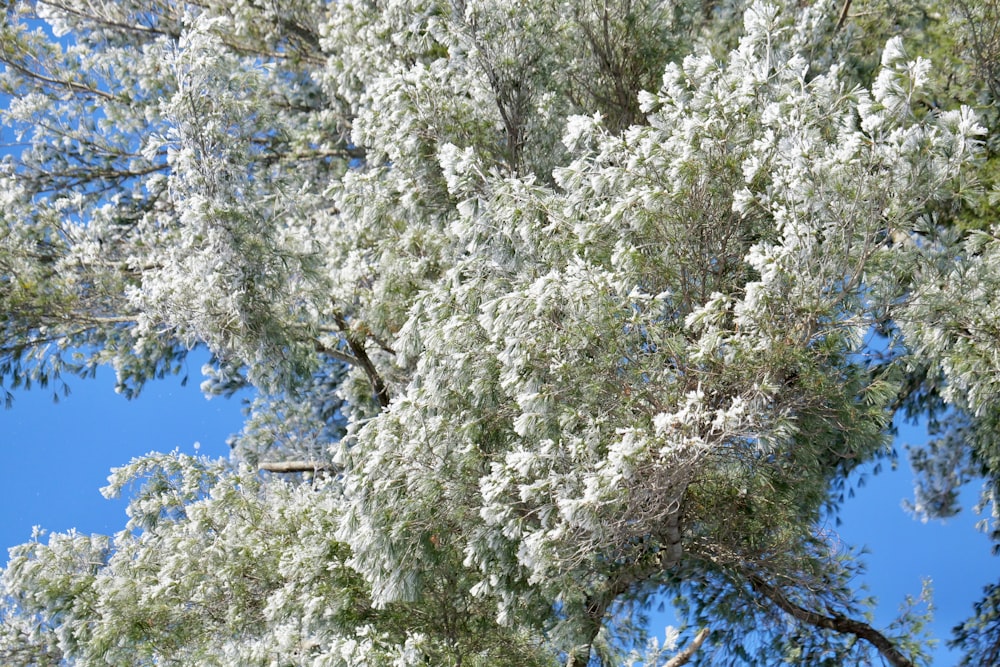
(297, 466)
(106, 22)
(837, 623)
(684, 656)
(334, 353)
(843, 15)
(59, 83)
(364, 362)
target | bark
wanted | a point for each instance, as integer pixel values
(361, 355)
(297, 466)
(843, 15)
(684, 656)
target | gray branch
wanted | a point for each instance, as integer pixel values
(297, 466)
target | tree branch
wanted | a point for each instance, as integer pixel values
(364, 362)
(297, 466)
(106, 22)
(58, 83)
(641, 568)
(684, 656)
(843, 15)
(334, 353)
(837, 623)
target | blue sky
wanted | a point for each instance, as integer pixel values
(903, 551)
(55, 457)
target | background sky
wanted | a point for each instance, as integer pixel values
(903, 551)
(55, 457)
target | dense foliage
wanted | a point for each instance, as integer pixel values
(550, 308)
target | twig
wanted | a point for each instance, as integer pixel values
(843, 15)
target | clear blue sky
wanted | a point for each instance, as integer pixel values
(55, 457)
(903, 551)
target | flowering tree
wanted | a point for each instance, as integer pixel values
(551, 308)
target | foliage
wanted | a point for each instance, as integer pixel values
(216, 567)
(553, 307)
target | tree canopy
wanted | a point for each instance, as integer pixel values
(551, 309)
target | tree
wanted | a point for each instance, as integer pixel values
(551, 308)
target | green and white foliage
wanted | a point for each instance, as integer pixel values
(216, 568)
(680, 313)
(144, 125)
(560, 305)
